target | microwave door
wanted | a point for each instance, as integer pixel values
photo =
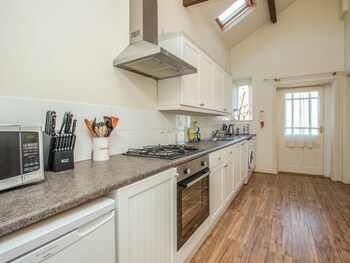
(10, 158)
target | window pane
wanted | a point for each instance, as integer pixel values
(304, 113)
(232, 11)
(288, 131)
(296, 113)
(314, 113)
(288, 113)
(314, 94)
(288, 96)
(304, 95)
(314, 131)
(243, 103)
(296, 95)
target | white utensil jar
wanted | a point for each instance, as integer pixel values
(100, 149)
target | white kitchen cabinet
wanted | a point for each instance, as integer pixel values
(206, 82)
(146, 225)
(228, 90)
(229, 182)
(190, 94)
(216, 192)
(229, 187)
(237, 167)
(218, 92)
(203, 91)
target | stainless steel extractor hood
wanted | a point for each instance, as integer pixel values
(143, 55)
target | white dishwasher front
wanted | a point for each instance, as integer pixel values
(83, 234)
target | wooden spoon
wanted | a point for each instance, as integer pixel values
(114, 122)
(89, 126)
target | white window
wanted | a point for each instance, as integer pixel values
(302, 113)
(231, 14)
(243, 112)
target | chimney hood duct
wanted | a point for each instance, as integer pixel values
(143, 55)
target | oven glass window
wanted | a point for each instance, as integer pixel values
(192, 209)
(9, 155)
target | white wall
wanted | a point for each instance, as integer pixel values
(63, 50)
(307, 39)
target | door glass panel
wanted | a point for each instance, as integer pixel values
(301, 113)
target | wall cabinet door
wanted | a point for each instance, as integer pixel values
(228, 89)
(146, 227)
(206, 82)
(229, 187)
(237, 166)
(244, 160)
(218, 89)
(190, 93)
(216, 191)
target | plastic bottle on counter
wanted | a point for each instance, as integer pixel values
(180, 134)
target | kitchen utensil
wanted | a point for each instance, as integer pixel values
(52, 131)
(89, 126)
(64, 121)
(114, 122)
(68, 123)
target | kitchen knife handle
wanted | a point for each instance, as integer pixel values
(74, 126)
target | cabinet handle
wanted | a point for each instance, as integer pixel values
(226, 165)
(225, 109)
(202, 104)
(231, 152)
(219, 158)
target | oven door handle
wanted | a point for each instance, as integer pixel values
(189, 184)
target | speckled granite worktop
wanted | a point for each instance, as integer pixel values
(26, 205)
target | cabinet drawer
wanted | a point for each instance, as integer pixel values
(217, 157)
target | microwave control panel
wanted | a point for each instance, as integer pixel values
(30, 152)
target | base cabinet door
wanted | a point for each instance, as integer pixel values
(216, 191)
(229, 187)
(237, 166)
(146, 227)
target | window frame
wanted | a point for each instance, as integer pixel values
(239, 83)
(223, 26)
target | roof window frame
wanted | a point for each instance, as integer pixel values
(223, 26)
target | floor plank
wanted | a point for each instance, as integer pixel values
(283, 218)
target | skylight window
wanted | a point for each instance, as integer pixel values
(232, 13)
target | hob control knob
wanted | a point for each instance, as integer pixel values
(204, 163)
(187, 171)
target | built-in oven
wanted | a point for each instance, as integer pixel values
(192, 197)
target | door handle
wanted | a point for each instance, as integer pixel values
(321, 129)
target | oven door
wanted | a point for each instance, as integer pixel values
(192, 205)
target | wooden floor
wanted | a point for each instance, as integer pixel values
(283, 218)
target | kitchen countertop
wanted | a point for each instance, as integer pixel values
(26, 205)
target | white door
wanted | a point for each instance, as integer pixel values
(300, 130)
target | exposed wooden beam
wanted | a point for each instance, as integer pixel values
(272, 9)
(188, 3)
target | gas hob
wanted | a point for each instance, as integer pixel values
(169, 152)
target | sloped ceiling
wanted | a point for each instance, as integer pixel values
(255, 19)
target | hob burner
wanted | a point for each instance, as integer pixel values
(169, 152)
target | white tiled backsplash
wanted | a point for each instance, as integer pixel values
(137, 127)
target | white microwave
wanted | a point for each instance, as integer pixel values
(21, 155)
